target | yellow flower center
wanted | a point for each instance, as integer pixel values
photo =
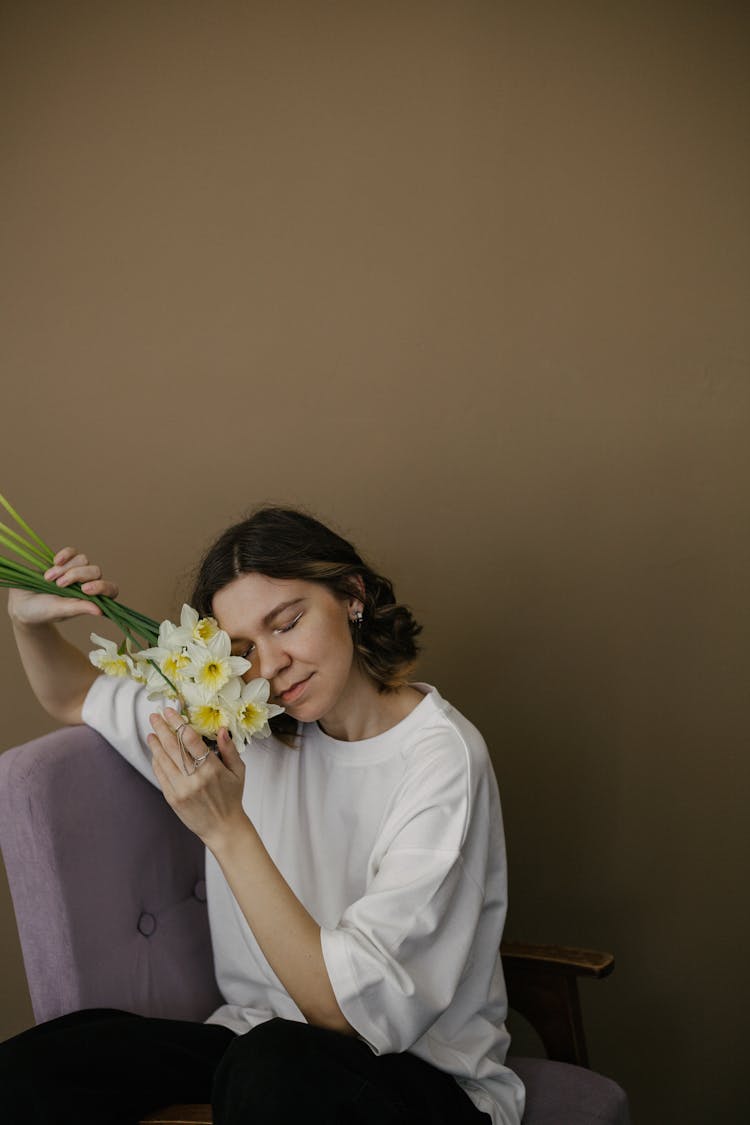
(174, 663)
(116, 666)
(205, 629)
(251, 717)
(206, 719)
(213, 674)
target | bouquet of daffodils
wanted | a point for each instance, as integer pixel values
(189, 664)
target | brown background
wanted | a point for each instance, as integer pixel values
(470, 281)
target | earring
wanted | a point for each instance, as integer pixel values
(357, 618)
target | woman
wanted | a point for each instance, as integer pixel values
(355, 863)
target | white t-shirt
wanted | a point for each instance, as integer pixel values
(394, 844)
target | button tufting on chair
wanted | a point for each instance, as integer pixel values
(146, 924)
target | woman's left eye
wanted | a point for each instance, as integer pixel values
(286, 628)
(282, 629)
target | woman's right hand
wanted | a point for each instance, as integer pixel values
(29, 609)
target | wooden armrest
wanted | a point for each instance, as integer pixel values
(180, 1115)
(557, 958)
(542, 983)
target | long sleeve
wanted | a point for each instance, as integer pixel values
(399, 954)
(118, 708)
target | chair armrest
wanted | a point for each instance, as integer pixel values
(562, 959)
(542, 983)
(180, 1115)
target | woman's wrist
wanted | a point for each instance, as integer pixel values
(32, 629)
(231, 840)
(13, 604)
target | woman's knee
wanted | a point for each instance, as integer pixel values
(261, 1047)
(273, 1039)
(261, 1073)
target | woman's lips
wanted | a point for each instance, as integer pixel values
(295, 691)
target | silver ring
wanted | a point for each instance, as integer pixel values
(184, 752)
(186, 755)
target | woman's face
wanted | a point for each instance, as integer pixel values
(296, 635)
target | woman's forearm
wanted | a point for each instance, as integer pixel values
(58, 672)
(209, 801)
(288, 935)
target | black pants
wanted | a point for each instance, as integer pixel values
(106, 1067)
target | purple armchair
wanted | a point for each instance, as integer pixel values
(108, 891)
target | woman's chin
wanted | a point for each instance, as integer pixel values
(299, 711)
(303, 712)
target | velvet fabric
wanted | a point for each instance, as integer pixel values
(562, 1094)
(107, 883)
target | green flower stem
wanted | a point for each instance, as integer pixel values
(16, 575)
(9, 583)
(122, 618)
(48, 552)
(21, 575)
(11, 564)
(140, 629)
(25, 552)
(164, 676)
(151, 625)
(131, 629)
(11, 538)
(143, 625)
(131, 633)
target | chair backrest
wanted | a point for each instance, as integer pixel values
(107, 884)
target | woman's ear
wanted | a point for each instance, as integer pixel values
(357, 604)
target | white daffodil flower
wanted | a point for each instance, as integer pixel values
(253, 710)
(206, 711)
(191, 628)
(172, 636)
(140, 671)
(172, 660)
(141, 668)
(158, 686)
(195, 628)
(108, 660)
(211, 664)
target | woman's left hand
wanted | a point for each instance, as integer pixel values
(208, 801)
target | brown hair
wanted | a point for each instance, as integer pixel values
(289, 543)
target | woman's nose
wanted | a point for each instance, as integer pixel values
(269, 660)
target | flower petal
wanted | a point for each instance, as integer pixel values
(188, 617)
(108, 646)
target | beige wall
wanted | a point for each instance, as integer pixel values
(470, 280)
